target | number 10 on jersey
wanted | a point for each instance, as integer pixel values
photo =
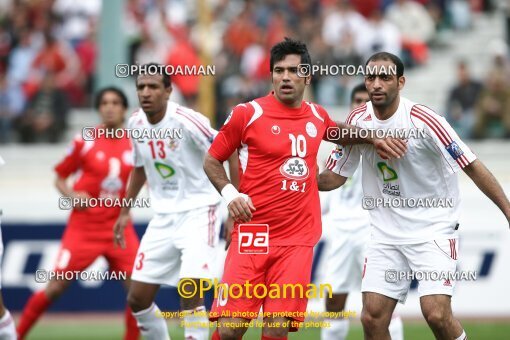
(298, 148)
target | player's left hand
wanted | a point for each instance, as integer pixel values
(118, 231)
(227, 231)
(390, 147)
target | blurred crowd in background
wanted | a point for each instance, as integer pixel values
(48, 53)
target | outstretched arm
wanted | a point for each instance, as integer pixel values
(328, 180)
(489, 185)
(345, 134)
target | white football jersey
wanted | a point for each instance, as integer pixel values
(174, 164)
(425, 178)
(342, 206)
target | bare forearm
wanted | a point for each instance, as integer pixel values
(489, 185)
(233, 167)
(136, 181)
(215, 172)
(62, 186)
(350, 134)
(328, 180)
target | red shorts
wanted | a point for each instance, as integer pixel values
(80, 247)
(291, 265)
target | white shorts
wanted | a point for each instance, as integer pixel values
(345, 253)
(385, 262)
(179, 245)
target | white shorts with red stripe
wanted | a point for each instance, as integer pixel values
(433, 263)
(179, 245)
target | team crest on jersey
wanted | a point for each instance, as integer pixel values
(295, 168)
(173, 144)
(454, 150)
(275, 130)
(311, 130)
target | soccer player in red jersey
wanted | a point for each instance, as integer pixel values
(277, 138)
(105, 164)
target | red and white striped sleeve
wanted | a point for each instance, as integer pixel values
(198, 126)
(456, 154)
(344, 160)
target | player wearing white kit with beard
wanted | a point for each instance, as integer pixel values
(7, 327)
(346, 227)
(180, 240)
(412, 238)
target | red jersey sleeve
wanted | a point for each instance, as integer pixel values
(328, 122)
(72, 161)
(230, 136)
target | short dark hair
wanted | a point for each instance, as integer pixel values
(166, 77)
(391, 57)
(358, 88)
(116, 90)
(286, 47)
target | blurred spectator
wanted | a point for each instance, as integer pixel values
(75, 17)
(242, 32)
(184, 54)
(5, 47)
(417, 29)
(86, 51)
(61, 60)
(378, 35)
(150, 51)
(21, 58)
(462, 101)
(493, 106)
(10, 105)
(45, 119)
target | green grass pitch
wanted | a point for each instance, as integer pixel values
(99, 330)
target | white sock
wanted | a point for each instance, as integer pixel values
(7, 327)
(338, 330)
(196, 324)
(463, 336)
(152, 326)
(396, 328)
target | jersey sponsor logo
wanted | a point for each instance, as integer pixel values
(275, 130)
(388, 173)
(311, 130)
(165, 171)
(454, 150)
(295, 168)
(253, 239)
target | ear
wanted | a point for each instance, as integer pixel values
(308, 80)
(401, 82)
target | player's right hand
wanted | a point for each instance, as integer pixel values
(390, 147)
(118, 231)
(82, 195)
(240, 209)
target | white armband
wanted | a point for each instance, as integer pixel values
(229, 193)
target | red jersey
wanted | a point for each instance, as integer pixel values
(278, 149)
(102, 167)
